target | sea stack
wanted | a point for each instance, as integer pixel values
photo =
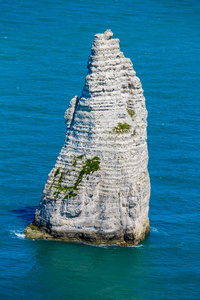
(98, 191)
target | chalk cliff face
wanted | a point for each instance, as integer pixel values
(99, 189)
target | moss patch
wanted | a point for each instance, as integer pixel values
(130, 112)
(33, 227)
(122, 128)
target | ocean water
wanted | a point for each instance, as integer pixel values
(44, 50)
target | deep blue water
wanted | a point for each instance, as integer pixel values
(44, 50)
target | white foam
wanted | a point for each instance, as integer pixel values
(99, 246)
(137, 246)
(18, 234)
(154, 229)
(113, 246)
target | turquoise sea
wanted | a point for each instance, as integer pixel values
(43, 55)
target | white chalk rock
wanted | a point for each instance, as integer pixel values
(99, 189)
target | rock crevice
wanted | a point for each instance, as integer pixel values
(99, 188)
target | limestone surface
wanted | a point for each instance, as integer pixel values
(98, 191)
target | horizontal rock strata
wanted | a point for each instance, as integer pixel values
(99, 188)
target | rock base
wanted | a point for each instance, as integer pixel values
(127, 239)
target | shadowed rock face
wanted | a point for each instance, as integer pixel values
(99, 189)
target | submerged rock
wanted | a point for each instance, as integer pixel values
(99, 189)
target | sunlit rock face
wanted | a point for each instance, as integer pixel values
(99, 188)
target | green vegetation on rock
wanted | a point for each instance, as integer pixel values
(33, 227)
(74, 161)
(134, 133)
(89, 166)
(121, 128)
(61, 177)
(130, 112)
(81, 156)
(57, 172)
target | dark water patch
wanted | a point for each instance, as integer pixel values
(25, 213)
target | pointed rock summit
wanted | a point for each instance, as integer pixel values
(98, 191)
